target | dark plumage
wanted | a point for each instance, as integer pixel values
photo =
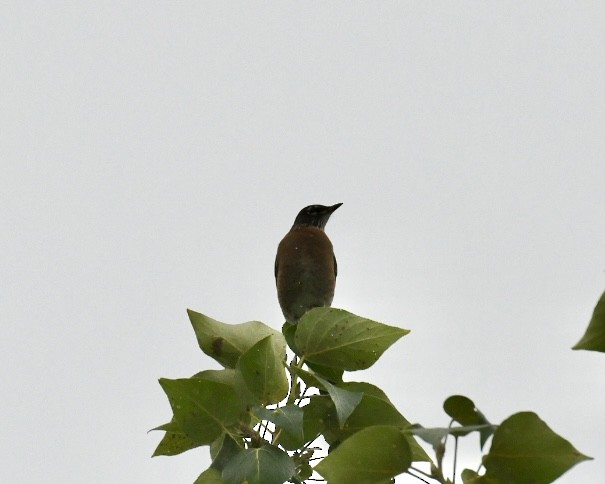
(305, 265)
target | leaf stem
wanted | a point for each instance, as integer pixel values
(297, 364)
(418, 477)
(455, 458)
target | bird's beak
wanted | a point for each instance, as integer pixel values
(333, 208)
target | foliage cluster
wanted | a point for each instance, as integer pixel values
(269, 421)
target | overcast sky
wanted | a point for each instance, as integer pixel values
(153, 154)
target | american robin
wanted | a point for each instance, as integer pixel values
(305, 265)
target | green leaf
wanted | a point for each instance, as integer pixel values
(304, 471)
(210, 476)
(264, 465)
(310, 379)
(263, 371)
(171, 426)
(289, 330)
(373, 411)
(594, 338)
(366, 388)
(339, 339)
(376, 409)
(345, 401)
(372, 455)
(202, 409)
(333, 375)
(174, 441)
(471, 477)
(318, 412)
(223, 450)
(288, 418)
(525, 449)
(226, 342)
(463, 410)
(435, 436)
(232, 378)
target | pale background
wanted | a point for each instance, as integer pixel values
(154, 153)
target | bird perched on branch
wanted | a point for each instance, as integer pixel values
(305, 265)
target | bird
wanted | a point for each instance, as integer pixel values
(305, 264)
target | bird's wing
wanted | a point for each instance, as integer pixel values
(276, 267)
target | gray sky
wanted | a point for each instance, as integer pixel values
(153, 155)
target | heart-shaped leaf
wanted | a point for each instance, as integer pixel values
(339, 339)
(202, 409)
(263, 465)
(225, 343)
(463, 410)
(525, 449)
(372, 455)
(262, 369)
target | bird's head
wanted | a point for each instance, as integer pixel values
(315, 216)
